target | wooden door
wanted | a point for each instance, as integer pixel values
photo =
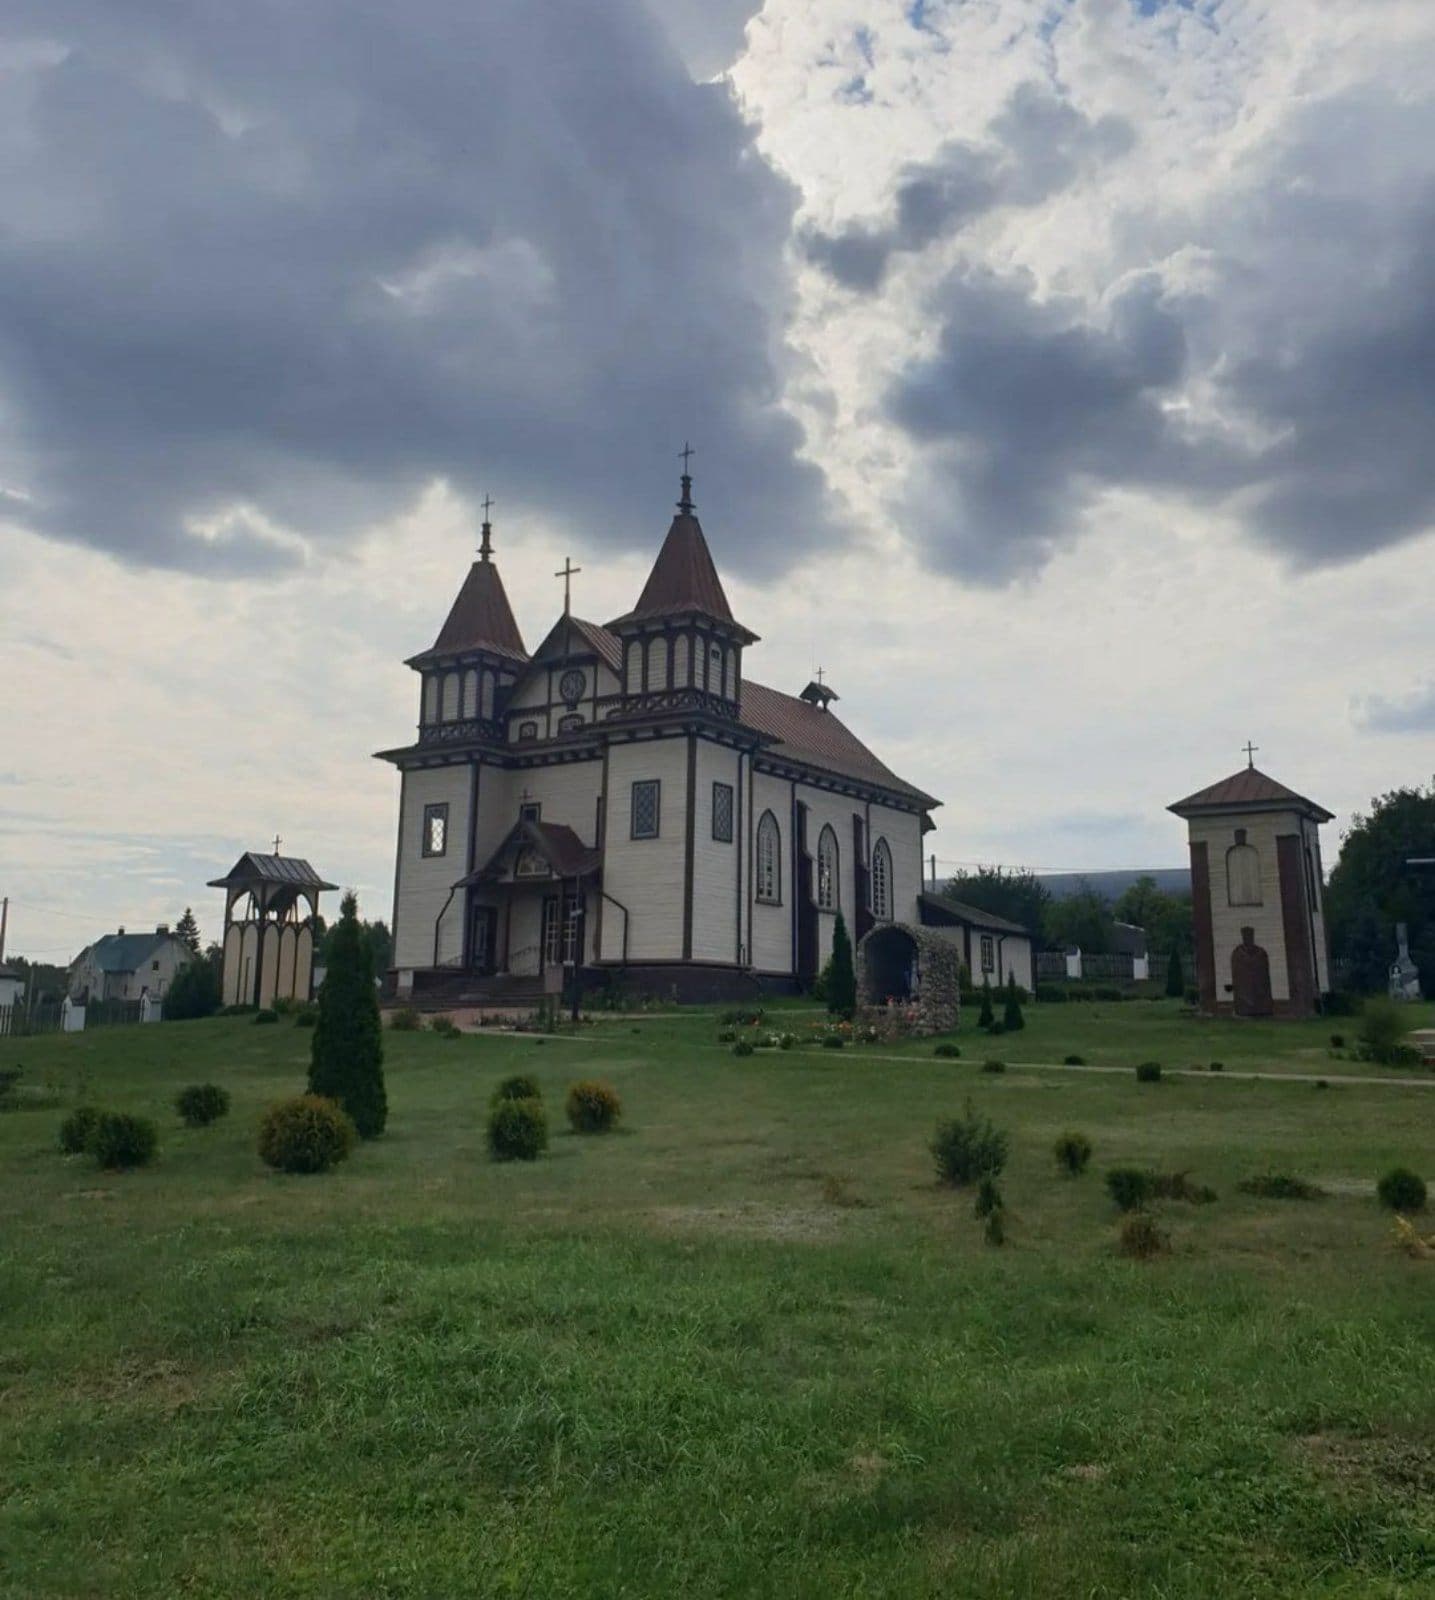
(1251, 978)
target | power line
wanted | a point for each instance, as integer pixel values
(1023, 866)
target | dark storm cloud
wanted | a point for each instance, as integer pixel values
(276, 266)
(1296, 388)
(1036, 146)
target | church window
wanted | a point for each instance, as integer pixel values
(827, 871)
(989, 953)
(645, 809)
(527, 730)
(1243, 873)
(882, 882)
(431, 699)
(530, 863)
(470, 694)
(769, 861)
(485, 698)
(435, 837)
(658, 663)
(722, 813)
(450, 696)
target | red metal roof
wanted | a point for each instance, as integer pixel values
(481, 618)
(684, 578)
(1250, 788)
(817, 738)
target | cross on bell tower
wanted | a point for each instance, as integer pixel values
(485, 548)
(685, 455)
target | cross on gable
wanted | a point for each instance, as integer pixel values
(277, 842)
(1251, 753)
(568, 572)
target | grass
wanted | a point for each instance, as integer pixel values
(742, 1346)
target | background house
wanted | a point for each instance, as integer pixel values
(124, 966)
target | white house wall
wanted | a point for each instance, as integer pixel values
(716, 882)
(646, 875)
(424, 882)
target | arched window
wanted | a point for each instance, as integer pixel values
(658, 663)
(431, 699)
(450, 697)
(470, 693)
(769, 861)
(1243, 873)
(882, 882)
(827, 870)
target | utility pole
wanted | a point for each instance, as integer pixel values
(934, 872)
(4, 920)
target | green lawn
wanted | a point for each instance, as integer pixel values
(743, 1347)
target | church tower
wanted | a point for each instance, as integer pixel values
(477, 656)
(682, 646)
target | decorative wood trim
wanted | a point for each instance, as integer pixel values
(689, 845)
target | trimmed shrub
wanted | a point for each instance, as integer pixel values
(989, 1198)
(1012, 1019)
(1337, 1041)
(78, 1129)
(993, 1066)
(1073, 1061)
(1141, 1239)
(947, 1051)
(832, 1041)
(405, 1020)
(202, 1103)
(306, 1016)
(267, 1016)
(306, 1133)
(193, 992)
(1073, 1152)
(593, 1106)
(519, 1087)
(727, 1036)
(119, 1140)
(1178, 1186)
(1280, 1186)
(996, 1028)
(744, 1047)
(1218, 1066)
(995, 1230)
(987, 1016)
(1384, 1025)
(841, 978)
(968, 1148)
(1129, 1187)
(1149, 1072)
(517, 1130)
(1401, 1190)
(445, 1027)
(346, 1053)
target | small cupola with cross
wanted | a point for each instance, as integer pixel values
(819, 693)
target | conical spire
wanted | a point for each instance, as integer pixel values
(481, 617)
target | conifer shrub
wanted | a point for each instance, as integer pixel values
(833, 1041)
(727, 1036)
(306, 1016)
(996, 1028)
(445, 1027)
(517, 1130)
(968, 1148)
(405, 1020)
(1337, 1041)
(593, 1106)
(193, 992)
(267, 1017)
(1073, 1152)
(1217, 1066)
(1073, 1061)
(306, 1133)
(986, 1016)
(841, 977)
(744, 1047)
(1280, 1186)
(1141, 1239)
(519, 1087)
(119, 1140)
(948, 1051)
(202, 1103)
(1401, 1190)
(1012, 1019)
(1148, 1072)
(993, 1066)
(1175, 977)
(989, 1198)
(1129, 1187)
(346, 1055)
(1384, 1024)
(77, 1129)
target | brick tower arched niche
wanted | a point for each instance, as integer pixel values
(1257, 897)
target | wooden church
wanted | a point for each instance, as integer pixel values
(625, 800)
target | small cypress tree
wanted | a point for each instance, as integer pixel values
(1175, 977)
(841, 980)
(1012, 1018)
(193, 992)
(346, 1060)
(987, 1016)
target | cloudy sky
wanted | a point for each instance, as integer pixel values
(1062, 374)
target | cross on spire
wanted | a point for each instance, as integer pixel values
(820, 671)
(567, 572)
(277, 842)
(485, 548)
(1250, 750)
(685, 455)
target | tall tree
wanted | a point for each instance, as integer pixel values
(1005, 892)
(841, 978)
(1082, 919)
(193, 992)
(187, 929)
(347, 1055)
(1373, 886)
(1165, 917)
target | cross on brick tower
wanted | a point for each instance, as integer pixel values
(567, 573)
(1250, 750)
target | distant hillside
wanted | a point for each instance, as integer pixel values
(1112, 885)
